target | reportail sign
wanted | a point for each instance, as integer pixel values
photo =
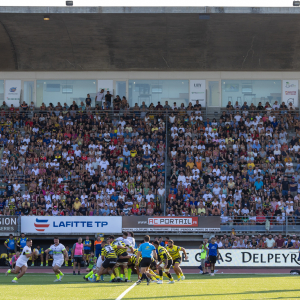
(144, 223)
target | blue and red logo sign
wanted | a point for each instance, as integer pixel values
(12, 89)
(41, 225)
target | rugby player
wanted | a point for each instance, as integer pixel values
(213, 253)
(60, 254)
(109, 258)
(92, 262)
(10, 245)
(133, 265)
(165, 262)
(95, 270)
(122, 255)
(175, 254)
(87, 248)
(130, 248)
(41, 255)
(21, 264)
(131, 238)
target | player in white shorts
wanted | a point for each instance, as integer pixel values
(21, 264)
(93, 275)
(60, 254)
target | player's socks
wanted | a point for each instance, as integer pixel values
(57, 276)
(178, 276)
(129, 274)
(97, 277)
(46, 263)
(125, 273)
(9, 271)
(16, 279)
(117, 272)
(61, 273)
(101, 277)
(89, 274)
(161, 275)
(112, 276)
(165, 274)
(66, 263)
(152, 273)
(181, 274)
(121, 276)
(170, 276)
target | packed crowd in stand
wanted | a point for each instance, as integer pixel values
(81, 160)
(242, 166)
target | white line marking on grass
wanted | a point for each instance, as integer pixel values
(126, 291)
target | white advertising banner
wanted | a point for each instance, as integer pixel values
(70, 225)
(248, 258)
(198, 92)
(12, 92)
(290, 92)
(107, 85)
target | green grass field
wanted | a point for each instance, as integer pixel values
(41, 286)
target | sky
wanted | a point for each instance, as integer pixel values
(218, 3)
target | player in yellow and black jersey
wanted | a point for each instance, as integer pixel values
(109, 257)
(165, 262)
(123, 257)
(133, 265)
(175, 254)
(132, 260)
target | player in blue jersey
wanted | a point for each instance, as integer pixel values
(41, 255)
(22, 242)
(10, 245)
(213, 254)
(87, 243)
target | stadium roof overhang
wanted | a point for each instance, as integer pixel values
(149, 38)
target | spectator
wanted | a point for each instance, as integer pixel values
(270, 242)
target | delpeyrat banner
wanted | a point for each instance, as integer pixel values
(248, 258)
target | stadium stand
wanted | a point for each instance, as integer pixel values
(241, 165)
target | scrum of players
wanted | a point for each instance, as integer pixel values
(118, 258)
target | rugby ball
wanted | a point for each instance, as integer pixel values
(36, 252)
